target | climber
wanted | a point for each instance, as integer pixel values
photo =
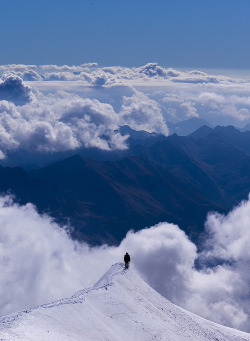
(126, 260)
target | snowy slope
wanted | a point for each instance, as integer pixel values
(121, 306)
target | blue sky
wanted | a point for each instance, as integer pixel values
(179, 33)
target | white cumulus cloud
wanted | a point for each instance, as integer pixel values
(12, 88)
(143, 113)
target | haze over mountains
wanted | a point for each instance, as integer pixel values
(178, 179)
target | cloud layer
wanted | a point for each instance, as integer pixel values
(50, 108)
(39, 263)
(90, 72)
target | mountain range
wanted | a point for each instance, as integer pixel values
(178, 179)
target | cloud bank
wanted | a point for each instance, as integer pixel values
(39, 263)
(112, 74)
(50, 122)
(52, 109)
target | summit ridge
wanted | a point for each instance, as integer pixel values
(120, 306)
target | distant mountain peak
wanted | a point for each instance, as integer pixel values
(188, 126)
(202, 132)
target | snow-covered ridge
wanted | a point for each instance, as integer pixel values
(120, 306)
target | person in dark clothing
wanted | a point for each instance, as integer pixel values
(126, 260)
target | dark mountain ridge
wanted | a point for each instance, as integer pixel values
(177, 179)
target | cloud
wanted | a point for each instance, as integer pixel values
(100, 80)
(93, 123)
(153, 70)
(17, 67)
(227, 296)
(196, 76)
(63, 121)
(30, 75)
(177, 108)
(164, 255)
(67, 68)
(142, 113)
(219, 290)
(60, 122)
(13, 89)
(39, 263)
(229, 236)
(117, 74)
(225, 106)
(26, 72)
(199, 92)
(60, 76)
(220, 103)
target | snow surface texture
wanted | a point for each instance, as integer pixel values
(121, 306)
